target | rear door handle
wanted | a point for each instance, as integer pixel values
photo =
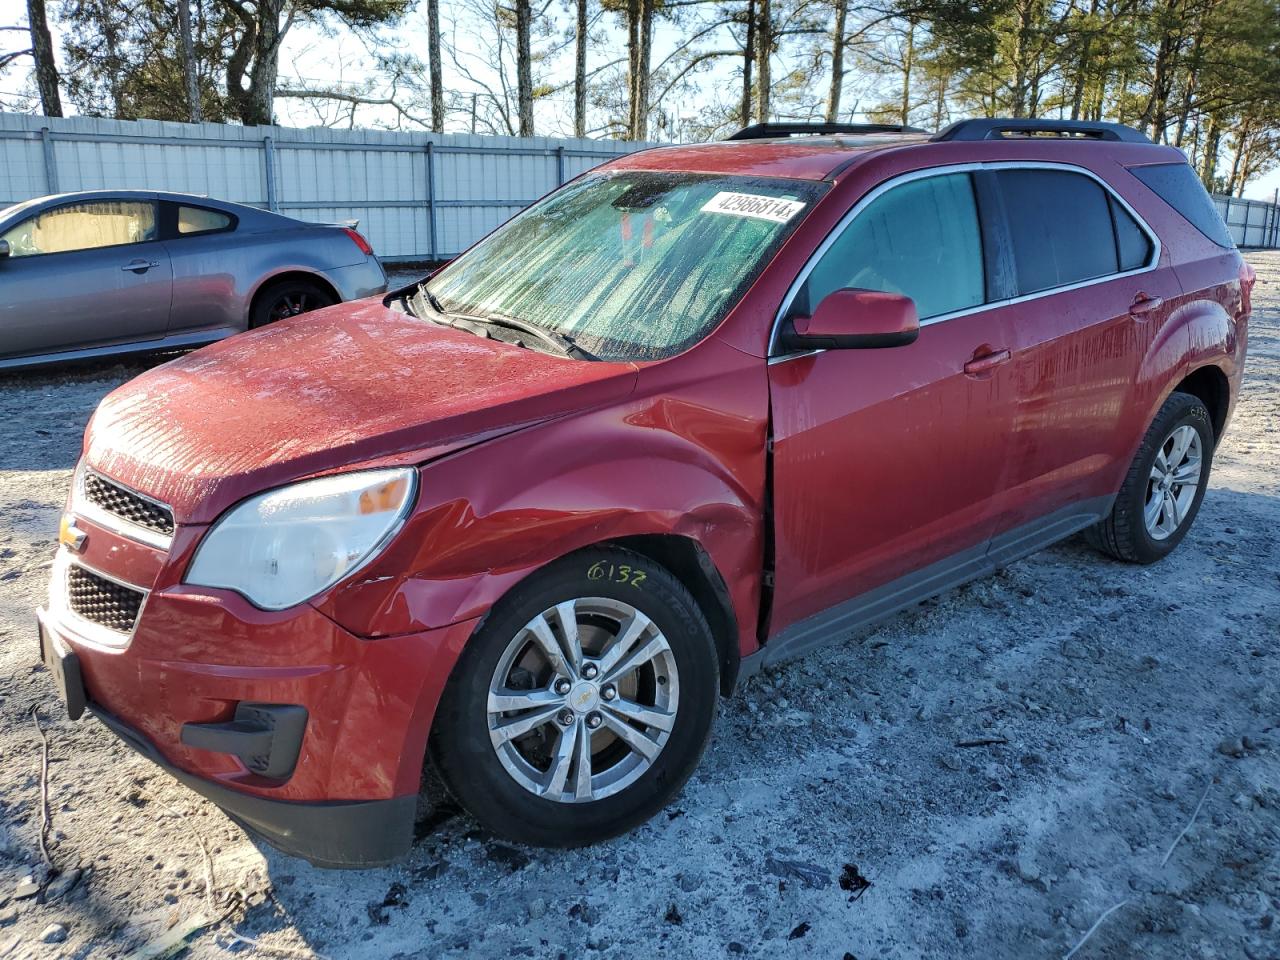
(986, 362)
(1144, 304)
(139, 266)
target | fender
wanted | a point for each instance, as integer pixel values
(684, 455)
(1199, 333)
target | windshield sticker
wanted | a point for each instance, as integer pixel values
(753, 205)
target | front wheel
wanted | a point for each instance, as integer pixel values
(583, 703)
(1165, 484)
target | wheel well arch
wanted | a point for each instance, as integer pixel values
(692, 566)
(287, 276)
(1210, 385)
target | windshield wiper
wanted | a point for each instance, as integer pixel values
(562, 342)
(424, 294)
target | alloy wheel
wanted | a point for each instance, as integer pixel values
(1171, 487)
(583, 700)
(290, 305)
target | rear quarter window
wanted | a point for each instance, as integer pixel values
(1178, 186)
(1133, 246)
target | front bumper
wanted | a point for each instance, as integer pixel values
(346, 793)
(360, 833)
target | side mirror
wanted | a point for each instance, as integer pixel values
(4, 249)
(854, 318)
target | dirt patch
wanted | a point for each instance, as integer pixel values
(986, 776)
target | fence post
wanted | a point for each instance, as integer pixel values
(50, 165)
(431, 198)
(560, 165)
(269, 163)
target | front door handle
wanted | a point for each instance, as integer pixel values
(986, 362)
(1143, 304)
(139, 266)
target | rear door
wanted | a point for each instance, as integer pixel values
(886, 461)
(84, 274)
(1090, 300)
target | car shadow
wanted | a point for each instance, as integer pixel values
(1037, 735)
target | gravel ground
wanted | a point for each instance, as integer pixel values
(842, 809)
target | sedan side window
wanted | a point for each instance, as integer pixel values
(920, 239)
(201, 220)
(83, 226)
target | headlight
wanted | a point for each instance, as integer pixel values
(285, 546)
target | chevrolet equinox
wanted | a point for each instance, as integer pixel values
(696, 412)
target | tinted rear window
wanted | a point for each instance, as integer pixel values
(1060, 225)
(1177, 185)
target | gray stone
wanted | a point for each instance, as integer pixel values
(54, 933)
(63, 884)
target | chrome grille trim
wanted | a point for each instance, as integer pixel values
(122, 509)
(77, 616)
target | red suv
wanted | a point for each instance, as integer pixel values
(698, 411)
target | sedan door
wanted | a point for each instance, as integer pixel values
(887, 463)
(84, 274)
(214, 265)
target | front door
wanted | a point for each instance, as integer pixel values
(82, 275)
(887, 462)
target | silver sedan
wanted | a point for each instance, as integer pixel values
(107, 272)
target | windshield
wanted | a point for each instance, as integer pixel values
(634, 265)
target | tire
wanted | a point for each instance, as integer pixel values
(527, 787)
(288, 298)
(1127, 533)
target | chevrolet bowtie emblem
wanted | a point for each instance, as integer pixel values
(69, 535)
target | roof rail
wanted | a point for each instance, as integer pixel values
(760, 131)
(986, 128)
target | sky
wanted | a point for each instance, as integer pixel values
(315, 56)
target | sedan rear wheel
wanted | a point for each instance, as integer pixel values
(288, 298)
(582, 704)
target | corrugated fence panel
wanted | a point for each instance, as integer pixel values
(391, 182)
(1252, 223)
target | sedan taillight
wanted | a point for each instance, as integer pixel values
(359, 241)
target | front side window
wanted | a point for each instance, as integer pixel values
(633, 265)
(920, 239)
(83, 226)
(1060, 227)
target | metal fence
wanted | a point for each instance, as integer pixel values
(1253, 223)
(416, 195)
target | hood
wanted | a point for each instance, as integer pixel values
(341, 386)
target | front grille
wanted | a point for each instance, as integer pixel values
(102, 601)
(127, 505)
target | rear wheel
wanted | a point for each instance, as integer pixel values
(582, 705)
(1165, 484)
(288, 298)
